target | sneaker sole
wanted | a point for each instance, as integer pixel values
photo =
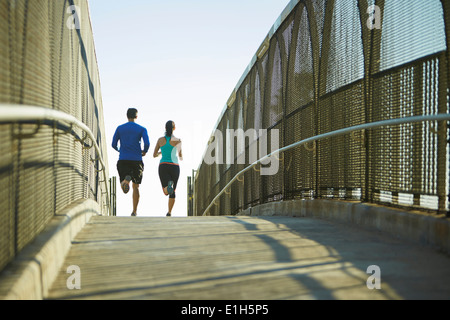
(126, 186)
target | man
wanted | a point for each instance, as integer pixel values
(130, 165)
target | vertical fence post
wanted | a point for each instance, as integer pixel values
(442, 144)
(113, 199)
(444, 97)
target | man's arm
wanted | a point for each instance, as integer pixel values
(116, 141)
(146, 142)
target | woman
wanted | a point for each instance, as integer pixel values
(169, 168)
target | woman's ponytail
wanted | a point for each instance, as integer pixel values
(169, 128)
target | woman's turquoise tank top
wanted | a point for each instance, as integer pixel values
(169, 153)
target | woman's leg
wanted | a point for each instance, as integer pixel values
(174, 176)
(164, 178)
(171, 204)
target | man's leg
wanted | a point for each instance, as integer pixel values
(138, 172)
(136, 197)
(125, 175)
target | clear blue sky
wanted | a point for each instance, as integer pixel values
(173, 60)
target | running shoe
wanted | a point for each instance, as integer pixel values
(170, 189)
(126, 184)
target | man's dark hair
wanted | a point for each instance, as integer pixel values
(132, 113)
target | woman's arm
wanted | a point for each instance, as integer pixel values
(176, 142)
(157, 153)
(180, 150)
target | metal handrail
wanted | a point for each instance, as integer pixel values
(19, 113)
(373, 125)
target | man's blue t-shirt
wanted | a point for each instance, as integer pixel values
(130, 135)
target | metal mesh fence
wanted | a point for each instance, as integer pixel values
(331, 65)
(47, 59)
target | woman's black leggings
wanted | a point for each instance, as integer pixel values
(169, 172)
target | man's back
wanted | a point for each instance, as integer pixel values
(130, 135)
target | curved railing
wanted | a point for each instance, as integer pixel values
(52, 136)
(61, 123)
(328, 66)
(276, 154)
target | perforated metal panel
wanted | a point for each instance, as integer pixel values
(329, 67)
(45, 166)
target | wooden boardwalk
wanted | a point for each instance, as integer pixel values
(245, 258)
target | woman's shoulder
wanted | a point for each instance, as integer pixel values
(174, 141)
(162, 141)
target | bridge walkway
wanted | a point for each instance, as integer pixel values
(246, 258)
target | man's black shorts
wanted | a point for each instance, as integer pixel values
(134, 169)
